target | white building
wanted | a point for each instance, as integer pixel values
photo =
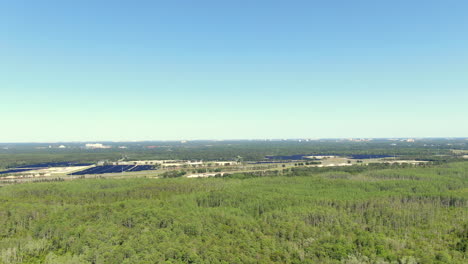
(96, 146)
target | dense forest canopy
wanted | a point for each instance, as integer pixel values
(395, 215)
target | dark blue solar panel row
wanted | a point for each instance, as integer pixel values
(370, 156)
(14, 170)
(141, 168)
(292, 157)
(113, 169)
(55, 164)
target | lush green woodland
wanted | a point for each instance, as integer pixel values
(402, 215)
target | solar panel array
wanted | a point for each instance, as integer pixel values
(369, 156)
(14, 170)
(54, 164)
(141, 168)
(113, 169)
(291, 157)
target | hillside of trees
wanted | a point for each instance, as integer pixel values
(394, 215)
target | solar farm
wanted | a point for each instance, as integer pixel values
(54, 164)
(70, 168)
(191, 168)
(60, 169)
(113, 169)
(43, 166)
(15, 171)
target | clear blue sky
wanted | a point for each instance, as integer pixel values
(95, 70)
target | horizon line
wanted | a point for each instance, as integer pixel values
(228, 139)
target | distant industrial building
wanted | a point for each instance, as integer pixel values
(96, 146)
